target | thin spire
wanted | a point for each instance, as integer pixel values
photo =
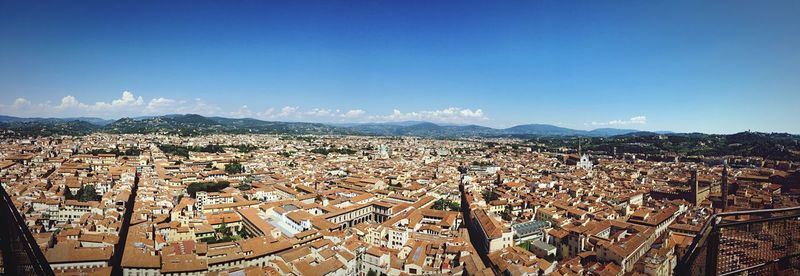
(724, 185)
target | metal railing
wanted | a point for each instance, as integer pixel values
(20, 253)
(757, 242)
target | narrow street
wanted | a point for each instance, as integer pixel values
(472, 229)
(116, 260)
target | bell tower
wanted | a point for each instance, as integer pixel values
(724, 186)
(695, 185)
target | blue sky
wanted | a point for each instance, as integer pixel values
(715, 66)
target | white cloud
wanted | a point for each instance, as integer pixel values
(447, 115)
(127, 100)
(126, 105)
(130, 105)
(70, 102)
(243, 112)
(354, 113)
(266, 113)
(319, 112)
(24, 107)
(638, 120)
(159, 105)
(314, 114)
(287, 111)
(198, 106)
(21, 102)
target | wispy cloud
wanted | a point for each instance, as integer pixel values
(130, 105)
(333, 115)
(243, 112)
(126, 105)
(447, 115)
(638, 120)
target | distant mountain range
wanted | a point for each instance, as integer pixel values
(189, 124)
(193, 124)
(775, 146)
(92, 120)
(434, 130)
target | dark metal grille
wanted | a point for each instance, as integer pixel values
(694, 261)
(21, 254)
(760, 242)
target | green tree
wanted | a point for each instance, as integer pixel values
(525, 245)
(206, 186)
(88, 193)
(443, 204)
(224, 230)
(489, 195)
(506, 214)
(133, 152)
(455, 206)
(234, 168)
(440, 204)
(246, 148)
(68, 194)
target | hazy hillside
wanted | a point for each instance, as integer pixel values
(193, 124)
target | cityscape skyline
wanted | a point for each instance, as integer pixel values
(338, 138)
(712, 67)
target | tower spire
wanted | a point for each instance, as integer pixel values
(724, 187)
(695, 186)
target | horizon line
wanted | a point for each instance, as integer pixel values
(338, 124)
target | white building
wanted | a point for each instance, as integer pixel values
(585, 163)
